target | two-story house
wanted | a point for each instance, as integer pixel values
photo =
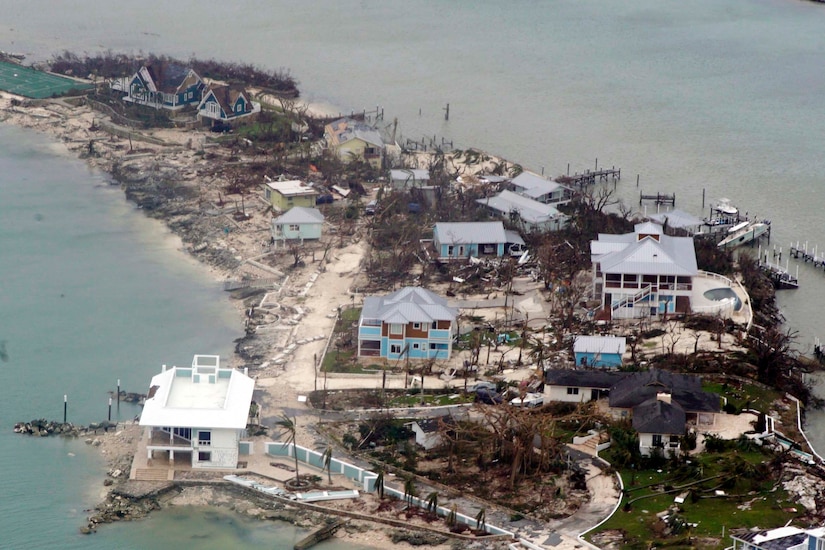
(284, 194)
(643, 274)
(197, 414)
(541, 189)
(165, 85)
(298, 223)
(352, 139)
(226, 104)
(410, 323)
(461, 240)
(781, 538)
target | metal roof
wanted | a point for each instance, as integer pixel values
(781, 538)
(677, 219)
(412, 174)
(600, 344)
(640, 253)
(300, 214)
(469, 232)
(347, 129)
(534, 185)
(291, 187)
(408, 305)
(530, 211)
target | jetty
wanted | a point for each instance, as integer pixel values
(780, 276)
(589, 177)
(801, 253)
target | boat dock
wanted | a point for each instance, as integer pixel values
(591, 177)
(781, 277)
(659, 199)
(801, 253)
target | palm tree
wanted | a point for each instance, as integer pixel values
(288, 429)
(327, 457)
(409, 490)
(481, 520)
(379, 483)
(432, 502)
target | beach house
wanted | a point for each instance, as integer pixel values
(781, 538)
(298, 223)
(599, 351)
(643, 274)
(410, 323)
(285, 194)
(524, 211)
(351, 139)
(197, 415)
(540, 189)
(461, 240)
(165, 85)
(226, 104)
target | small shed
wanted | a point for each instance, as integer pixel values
(599, 351)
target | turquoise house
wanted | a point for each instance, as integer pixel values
(599, 351)
(298, 223)
(411, 323)
(457, 240)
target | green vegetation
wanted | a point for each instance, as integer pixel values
(416, 398)
(744, 395)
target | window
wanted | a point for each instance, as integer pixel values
(572, 391)
(417, 326)
(657, 440)
(294, 227)
(204, 456)
(416, 345)
(191, 95)
(432, 346)
(450, 250)
(395, 348)
(204, 438)
(396, 328)
(268, 192)
(434, 325)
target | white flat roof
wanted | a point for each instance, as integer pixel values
(198, 397)
(291, 187)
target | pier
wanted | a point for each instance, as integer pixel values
(801, 253)
(591, 177)
(658, 198)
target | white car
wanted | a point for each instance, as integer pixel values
(530, 400)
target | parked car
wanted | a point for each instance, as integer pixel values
(413, 208)
(517, 250)
(488, 397)
(370, 208)
(530, 400)
(324, 199)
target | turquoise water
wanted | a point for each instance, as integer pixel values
(721, 96)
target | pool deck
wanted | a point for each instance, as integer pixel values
(700, 304)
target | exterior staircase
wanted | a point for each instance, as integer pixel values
(154, 474)
(636, 298)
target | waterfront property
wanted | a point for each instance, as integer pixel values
(285, 194)
(352, 139)
(410, 323)
(660, 405)
(643, 274)
(197, 414)
(599, 351)
(409, 178)
(540, 189)
(678, 219)
(461, 240)
(298, 223)
(531, 214)
(165, 85)
(226, 104)
(782, 538)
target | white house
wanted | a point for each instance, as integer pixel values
(533, 215)
(541, 189)
(643, 274)
(407, 178)
(197, 413)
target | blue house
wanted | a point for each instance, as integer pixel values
(298, 223)
(599, 351)
(165, 85)
(458, 240)
(410, 323)
(222, 103)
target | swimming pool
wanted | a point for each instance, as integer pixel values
(724, 293)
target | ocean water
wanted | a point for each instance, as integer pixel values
(716, 96)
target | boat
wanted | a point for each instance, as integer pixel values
(723, 214)
(744, 232)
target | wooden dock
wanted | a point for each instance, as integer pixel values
(658, 198)
(802, 253)
(591, 177)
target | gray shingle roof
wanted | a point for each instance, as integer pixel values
(685, 390)
(583, 378)
(408, 305)
(300, 214)
(658, 417)
(775, 539)
(469, 232)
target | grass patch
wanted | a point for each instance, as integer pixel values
(429, 400)
(744, 395)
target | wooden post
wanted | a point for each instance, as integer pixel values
(568, 168)
(637, 180)
(315, 370)
(597, 165)
(110, 409)
(703, 198)
(447, 112)
(65, 406)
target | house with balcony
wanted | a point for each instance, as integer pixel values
(525, 212)
(197, 415)
(298, 223)
(540, 189)
(411, 323)
(285, 194)
(165, 85)
(462, 240)
(643, 274)
(226, 104)
(782, 538)
(352, 139)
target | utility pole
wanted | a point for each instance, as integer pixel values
(447, 112)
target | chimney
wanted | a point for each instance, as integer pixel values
(663, 396)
